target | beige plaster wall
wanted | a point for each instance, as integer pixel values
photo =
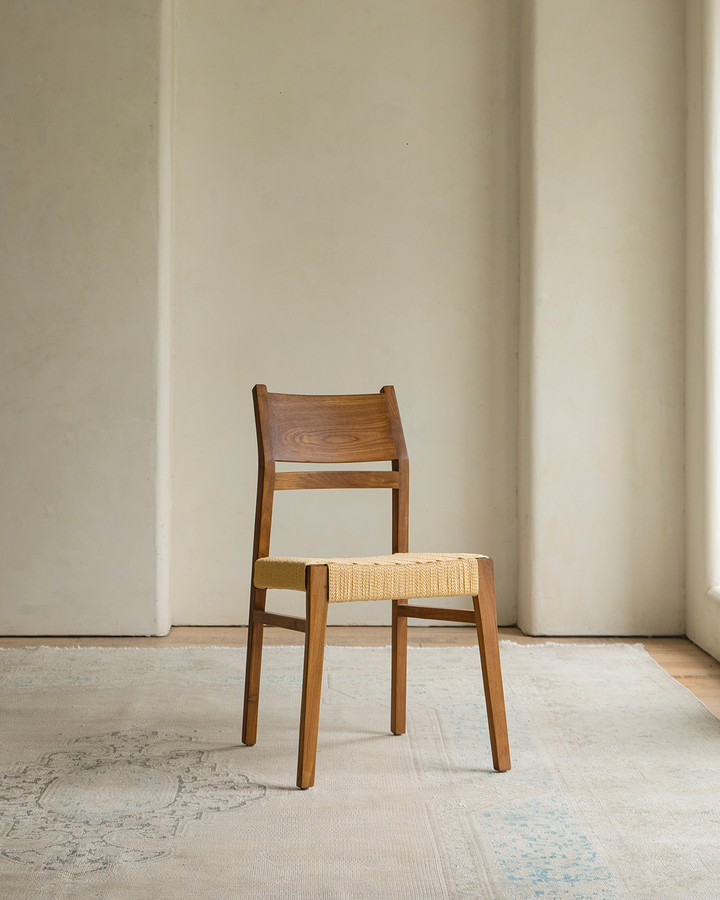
(703, 325)
(345, 217)
(78, 310)
(602, 322)
(324, 197)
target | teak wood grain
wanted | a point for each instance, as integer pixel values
(398, 670)
(487, 631)
(316, 610)
(278, 621)
(297, 428)
(330, 429)
(302, 481)
(466, 616)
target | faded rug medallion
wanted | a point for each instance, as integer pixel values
(117, 797)
(123, 777)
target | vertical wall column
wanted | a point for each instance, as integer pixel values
(601, 491)
(83, 423)
(703, 324)
(166, 174)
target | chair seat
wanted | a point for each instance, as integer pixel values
(403, 576)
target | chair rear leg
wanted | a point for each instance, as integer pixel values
(253, 664)
(486, 624)
(398, 697)
(316, 604)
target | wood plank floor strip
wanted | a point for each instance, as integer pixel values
(682, 659)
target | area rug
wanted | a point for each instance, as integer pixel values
(123, 776)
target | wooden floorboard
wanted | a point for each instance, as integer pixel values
(683, 660)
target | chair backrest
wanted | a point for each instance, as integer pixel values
(353, 428)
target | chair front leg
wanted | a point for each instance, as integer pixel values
(316, 604)
(486, 624)
(398, 681)
(253, 664)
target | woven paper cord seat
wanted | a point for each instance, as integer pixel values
(407, 575)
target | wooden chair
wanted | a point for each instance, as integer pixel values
(351, 429)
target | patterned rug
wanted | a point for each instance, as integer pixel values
(122, 776)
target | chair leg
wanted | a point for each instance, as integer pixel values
(316, 604)
(398, 696)
(253, 663)
(486, 624)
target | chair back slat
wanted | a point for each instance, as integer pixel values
(330, 429)
(300, 481)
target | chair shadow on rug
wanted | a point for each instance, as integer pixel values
(349, 429)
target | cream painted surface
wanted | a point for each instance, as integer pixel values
(324, 197)
(602, 330)
(78, 317)
(345, 218)
(703, 324)
(164, 350)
